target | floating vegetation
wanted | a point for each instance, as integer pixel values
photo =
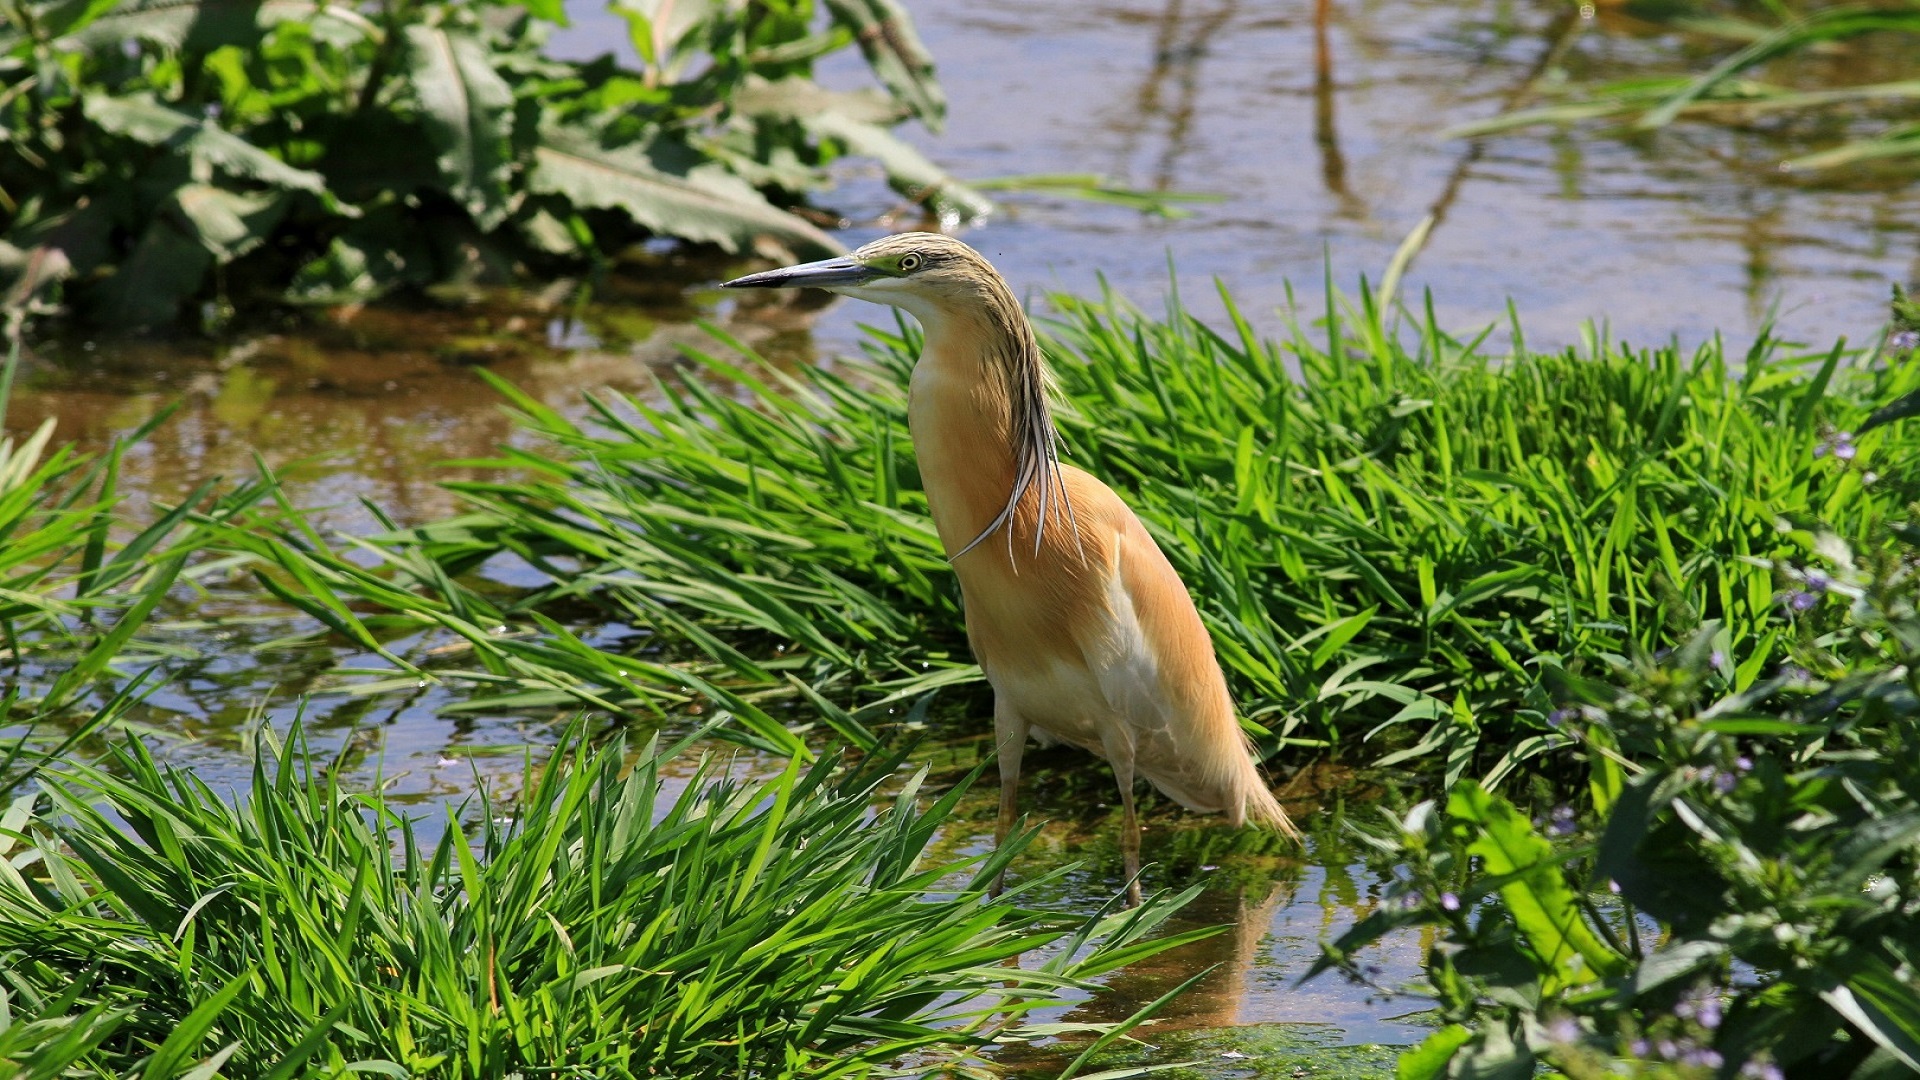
(1746, 86)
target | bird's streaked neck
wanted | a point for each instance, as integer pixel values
(977, 394)
(962, 430)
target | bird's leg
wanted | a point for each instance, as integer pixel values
(1117, 743)
(1129, 830)
(1010, 742)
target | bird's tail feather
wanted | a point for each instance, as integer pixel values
(1258, 806)
(1262, 809)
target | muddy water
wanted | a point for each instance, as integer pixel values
(1322, 136)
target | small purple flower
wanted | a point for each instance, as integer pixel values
(1761, 1069)
(1701, 1005)
(1839, 444)
(1561, 823)
(1641, 1048)
(1559, 716)
(1410, 901)
(1449, 901)
(1904, 341)
(1802, 601)
(1613, 887)
(1668, 1049)
(1564, 1030)
(1704, 1057)
(1743, 763)
(130, 48)
(212, 110)
(1724, 782)
(1718, 659)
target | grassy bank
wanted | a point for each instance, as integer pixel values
(1396, 538)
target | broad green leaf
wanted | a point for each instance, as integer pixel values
(199, 226)
(228, 223)
(71, 16)
(467, 109)
(371, 258)
(1492, 1054)
(197, 27)
(1428, 1061)
(141, 118)
(910, 172)
(1676, 961)
(887, 39)
(1883, 1006)
(167, 265)
(658, 27)
(554, 11)
(795, 98)
(704, 203)
(1544, 908)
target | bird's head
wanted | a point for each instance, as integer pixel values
(923, 273)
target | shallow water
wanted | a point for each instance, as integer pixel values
(1673, 234)
(1323, 140)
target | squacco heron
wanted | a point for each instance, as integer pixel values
(1083, 629)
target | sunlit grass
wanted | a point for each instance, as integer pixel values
(1401, 540)
(612, 923)
(1392, 533)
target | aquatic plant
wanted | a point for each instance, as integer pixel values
(614, 921)
(1393, 535)
(1739, 89)
(1742, 900)
(155, 153)
(79, 580)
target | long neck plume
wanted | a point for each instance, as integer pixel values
(1030, 422)
(995, 335)
(982, 416)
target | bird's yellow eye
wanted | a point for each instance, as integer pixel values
(909, 263)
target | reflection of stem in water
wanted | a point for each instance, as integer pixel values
(1561, 34)
(1758, 239)
(1333, 164)
(1178, 48)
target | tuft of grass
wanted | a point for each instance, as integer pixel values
(615, 922)
(1394, 534)
(1405, 530)
(79, 582)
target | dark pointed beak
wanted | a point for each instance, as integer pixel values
(825, 274)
